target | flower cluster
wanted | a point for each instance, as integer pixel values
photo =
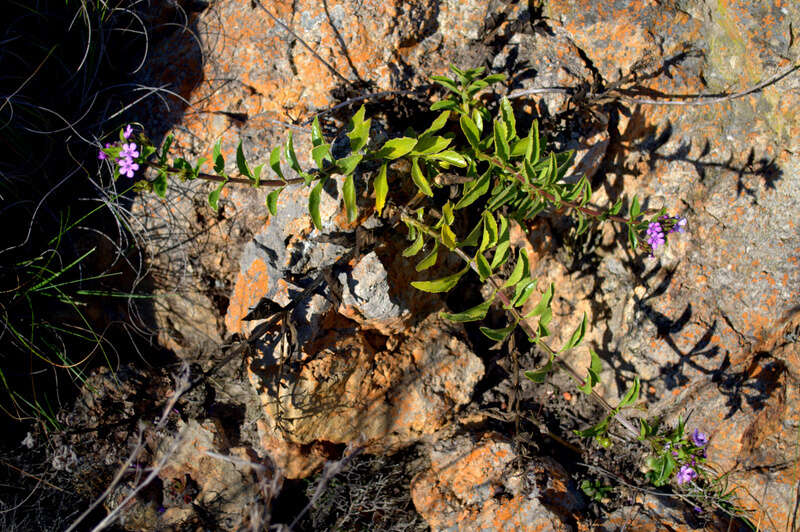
(657, 231)
(687, 473)
(123, 153)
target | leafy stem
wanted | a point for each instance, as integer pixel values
(532, 333)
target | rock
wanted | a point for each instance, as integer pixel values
(349, 389)
(651, 512)
(225, 485)
(475, 483)
(746, 411)
(616, 37)
(366, 296)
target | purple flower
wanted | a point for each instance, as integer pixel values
(127, 167)
(686, 474)
(103, 155)
(127, 131)
(699, 439)
(655, 235)
(698, 509)
(129, 151)
(680, 225)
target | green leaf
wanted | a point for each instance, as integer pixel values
(470, 131)
(165, 149)
(320, 153)
(450, 157)
(633, 240)
(540, 375)
(196, 169)
(474, 87)
(577, 336)
(506, 192)
(381, 189)
(593, 376)
(444, 284)
(494, 78)
(396, 148)
(448, 237)
(291, 156)
(489, 231)
(447, 83)
(272, 200)
(614, 210)
(447, 213)
(520, 269)
(534, 149)
(241, 162)
(349, 192)
(257, 175)
(348, 165)
(359, 136)
(476, 313)
(213, 197)
(416, 247)
(427, 145)
(160, 184)
(419, 179)
(600, 428)
(635, 209)
(437, 124)
(544, 302)
(523, 291)
(275, 162)
(484, 270)
(313, 203)
(501, 254)
(632, 395)
(477, 117)
(501, 140)
(474, 190)
(219, 161)
(147, 151)
(498, 335)
(520, 147)
(444, 104)
(473, 236)
(508, 117)
(357, 119)
(316, 133)
(502, 250)
(429, 259)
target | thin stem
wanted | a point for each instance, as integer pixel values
(219, 179)
(702, 99)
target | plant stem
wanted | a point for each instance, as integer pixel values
(219, 179)
(549, 197)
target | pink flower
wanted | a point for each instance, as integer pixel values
(129, 151)
(127, 167)
(127, 131)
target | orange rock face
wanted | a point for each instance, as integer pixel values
(348, 390)
(473, 484)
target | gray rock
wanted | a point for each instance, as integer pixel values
(366, 287)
